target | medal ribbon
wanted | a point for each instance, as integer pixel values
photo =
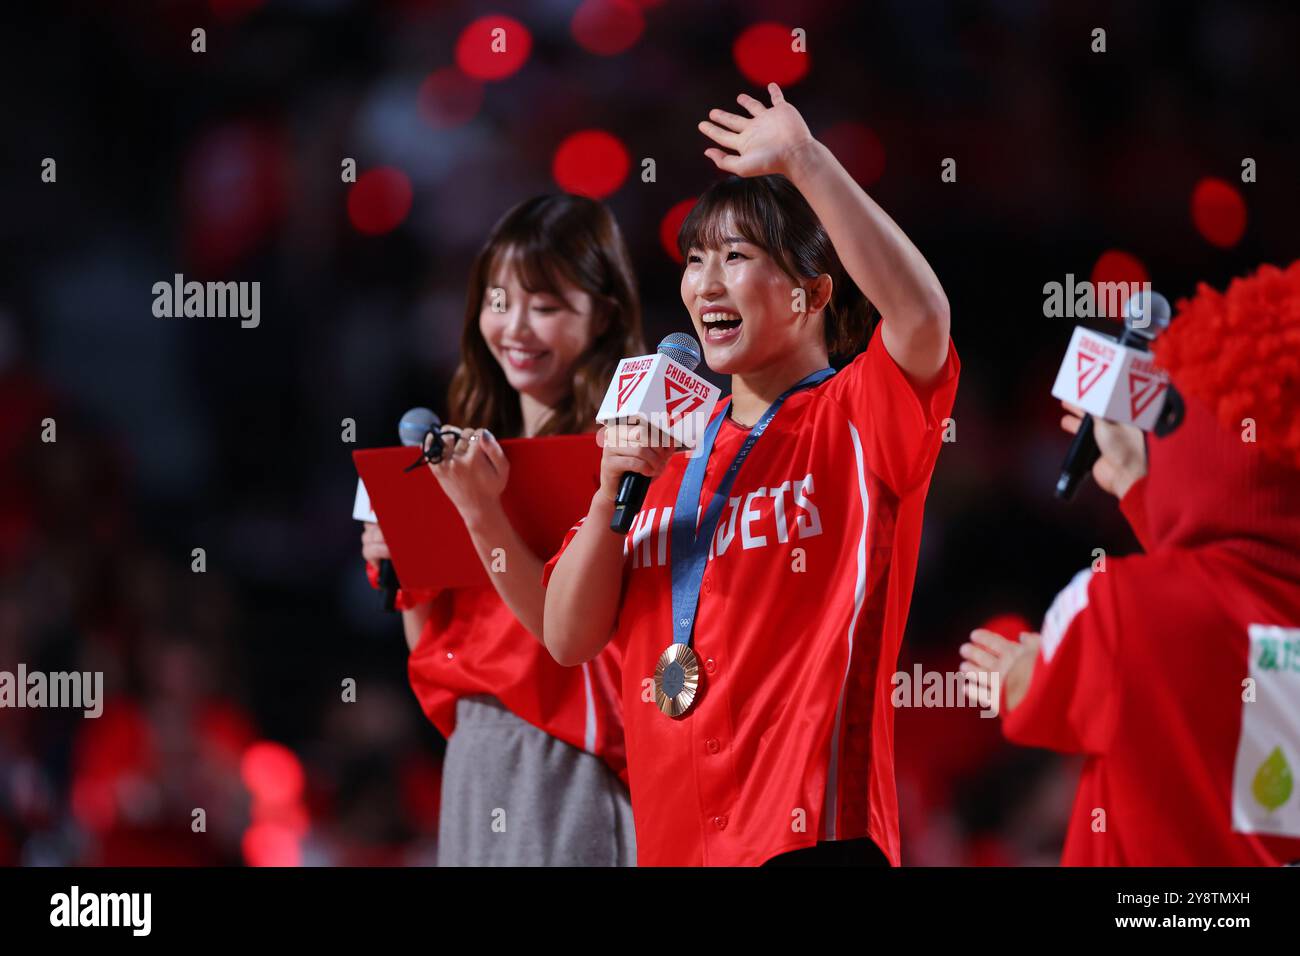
(689, 544)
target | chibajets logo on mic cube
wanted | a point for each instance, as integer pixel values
(657, 391)
(1110, 380)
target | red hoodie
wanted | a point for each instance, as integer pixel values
(1177, 672)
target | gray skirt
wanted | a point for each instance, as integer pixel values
(512, 795)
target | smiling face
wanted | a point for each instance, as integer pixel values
(742, 304)
(539, 336)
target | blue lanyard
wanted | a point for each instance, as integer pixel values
(689, 546)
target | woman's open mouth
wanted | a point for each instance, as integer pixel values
(523, 359)
(721, 326)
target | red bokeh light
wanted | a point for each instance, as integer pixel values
(671, 224)
(291, 816)
(235, 187)
(1116, 266)
(479, 52)
(858, 149)
(272, 773)
(607, 27)
(94, 804)
(225, 731)
(421, 789)
(268, 844)
(763, 55)
(116, 748)
(380, 200)
(448, 98)
(590, 163)
(1218, 212)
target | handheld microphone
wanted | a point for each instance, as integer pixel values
(685, 351)
(1141, 326)
(662, 391)
(413, 430)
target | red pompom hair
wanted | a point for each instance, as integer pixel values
(1239, 353)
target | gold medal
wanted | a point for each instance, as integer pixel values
(677, 679)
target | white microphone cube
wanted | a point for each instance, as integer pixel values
(1111, 381)
(657, 391)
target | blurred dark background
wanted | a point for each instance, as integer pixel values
(224, 688)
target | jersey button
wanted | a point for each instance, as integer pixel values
(450, 655)
(720, 822)
(712, 745)
(710, 665)
(708, 585)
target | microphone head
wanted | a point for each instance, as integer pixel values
(682, 348)
(1148, 313)
(415, 424)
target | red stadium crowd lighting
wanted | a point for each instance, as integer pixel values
(380, 200)
(671, 224)
(493, 47)
(859, 149)
(591, 163)
(1114, 265)
(764, 53)
(607, 27)
(1218, 212)
(272, 772)
(274, 777)
(448, 98)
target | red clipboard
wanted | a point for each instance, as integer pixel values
(551, 483)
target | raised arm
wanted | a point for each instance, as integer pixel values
(876, 253)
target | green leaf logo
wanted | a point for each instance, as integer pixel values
(1273, 784)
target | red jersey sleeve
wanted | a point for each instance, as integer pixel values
(549, 567)
(1073, 699)
(901, 425)
(555, 558)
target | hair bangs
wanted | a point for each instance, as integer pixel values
(535, 263)
(732, 209)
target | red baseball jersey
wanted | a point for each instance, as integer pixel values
(801, 612)
(473, 644)
(1177, 673)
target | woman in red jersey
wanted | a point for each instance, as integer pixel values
(534, 750)
(760, 598)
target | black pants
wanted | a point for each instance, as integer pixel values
(859, 852)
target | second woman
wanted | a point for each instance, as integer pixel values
(534, 750)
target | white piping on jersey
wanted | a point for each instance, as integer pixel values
(664, 525)
(589, 737)
(859, 596)
(1072, 599)
(640, 536)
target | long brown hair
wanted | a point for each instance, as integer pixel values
(548, 237)
(770, 212)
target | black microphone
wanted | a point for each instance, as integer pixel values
(1139, 331)
(412, 431)
(681, 348)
